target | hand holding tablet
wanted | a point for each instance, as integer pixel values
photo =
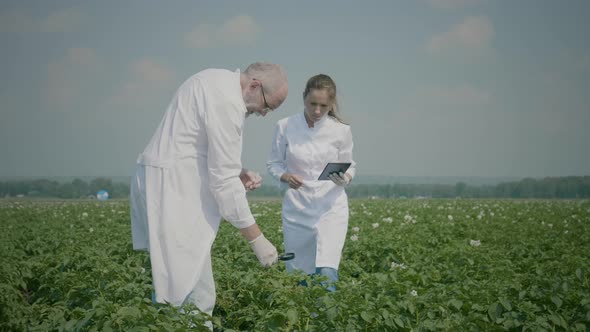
(333, 168)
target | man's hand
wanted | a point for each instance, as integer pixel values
(294, 181)
(265, 251)
(340, 179)
(251, 180)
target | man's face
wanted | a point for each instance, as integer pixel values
(256, 102)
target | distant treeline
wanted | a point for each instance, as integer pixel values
(75, 189)
(550, 187)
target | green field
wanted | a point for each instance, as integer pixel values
(408, 265)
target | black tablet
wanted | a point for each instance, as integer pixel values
(333, 168)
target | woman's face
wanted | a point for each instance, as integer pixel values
(317, 104)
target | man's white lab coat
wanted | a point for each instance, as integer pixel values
(186, 180)
(315, 216)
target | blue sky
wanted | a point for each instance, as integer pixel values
(431, 87)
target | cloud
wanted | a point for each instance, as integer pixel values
(63, 20)
(16, 21)
(445, 4)
(58, 21)
(475, 33)
(239, 30)
(462, 95)
(70, 76)
(151, 72)
(147, 79)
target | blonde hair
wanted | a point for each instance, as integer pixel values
(325, 82)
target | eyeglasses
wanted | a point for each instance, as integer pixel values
(267, 107)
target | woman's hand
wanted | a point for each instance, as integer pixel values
(341, 179)
(294, 181)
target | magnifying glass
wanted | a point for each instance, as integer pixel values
(287, 256)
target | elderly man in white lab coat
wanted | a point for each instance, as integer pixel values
(190, 176)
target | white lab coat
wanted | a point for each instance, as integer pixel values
(315, 216)
(186, 180)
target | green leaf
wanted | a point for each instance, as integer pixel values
(456, 303)
(579, 274)
(367, 316)
(478, 307)
(130, 312)
(495, 311)
(505, 303)
(557, 301)
(292, 316)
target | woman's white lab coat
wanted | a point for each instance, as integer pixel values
(186, 180)
(315, 216)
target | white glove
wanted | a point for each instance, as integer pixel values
(265, 252)
(339, 178)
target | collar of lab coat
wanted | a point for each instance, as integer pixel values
(317, 125)
(239, 86)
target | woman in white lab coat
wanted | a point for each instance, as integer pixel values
(315, 213)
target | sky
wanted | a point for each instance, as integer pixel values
(491, 88)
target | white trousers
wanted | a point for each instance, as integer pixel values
(203, 294)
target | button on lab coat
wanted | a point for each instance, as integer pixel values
(186, 180)
(315, 216)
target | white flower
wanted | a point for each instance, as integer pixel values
(450, 217)
(354, 238)
(407, 217)
(414, 293)
(388, 219)
(375, 225)
(356, 229)
(84, 215)
(142, 270)
(91, 230)
(400, 266)
(550, 225)
(474, 243)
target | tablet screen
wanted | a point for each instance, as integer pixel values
(333, 168)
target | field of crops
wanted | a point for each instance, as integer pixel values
(408, 265)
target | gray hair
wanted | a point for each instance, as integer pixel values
(271, 75)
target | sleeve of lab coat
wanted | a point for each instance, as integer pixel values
(224, 133)
(276, 163)
(345, 152)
